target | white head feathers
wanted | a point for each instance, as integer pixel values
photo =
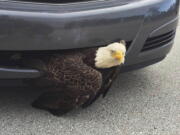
(111, 55)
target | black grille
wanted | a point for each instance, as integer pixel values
(158, 41)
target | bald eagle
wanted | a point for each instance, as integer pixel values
(77, 77)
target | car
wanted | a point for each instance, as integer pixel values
(45, 27)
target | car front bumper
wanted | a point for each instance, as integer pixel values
(28, 26)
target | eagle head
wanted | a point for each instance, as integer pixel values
(111, 55)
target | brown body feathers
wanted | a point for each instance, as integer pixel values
(74, 78)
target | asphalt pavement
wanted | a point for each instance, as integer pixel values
(142, 102)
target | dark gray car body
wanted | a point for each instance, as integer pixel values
(28, 26)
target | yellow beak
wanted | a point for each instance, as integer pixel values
(118, 55)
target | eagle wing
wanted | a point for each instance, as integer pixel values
(71, 72)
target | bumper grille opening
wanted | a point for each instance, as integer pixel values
(158, 41)
(10, 58)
